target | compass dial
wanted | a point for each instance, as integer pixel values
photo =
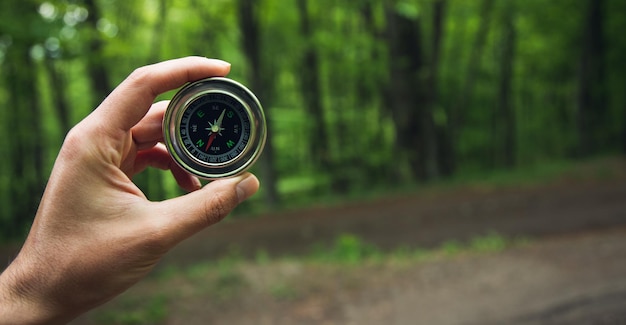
(214, 128)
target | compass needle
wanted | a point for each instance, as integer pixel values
(219, 120)
(210, 141)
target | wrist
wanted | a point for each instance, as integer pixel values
(19, 303)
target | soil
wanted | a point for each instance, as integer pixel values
(572, 271)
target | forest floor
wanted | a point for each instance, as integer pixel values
(568, 268)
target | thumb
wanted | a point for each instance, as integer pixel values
(188, 214)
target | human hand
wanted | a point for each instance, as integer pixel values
(95, 233)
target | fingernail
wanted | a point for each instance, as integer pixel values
(247, 187)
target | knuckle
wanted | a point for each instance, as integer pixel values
(74, 142)
(141, 79)
(139, 75)
(78, 143)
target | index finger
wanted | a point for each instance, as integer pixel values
(132, 99)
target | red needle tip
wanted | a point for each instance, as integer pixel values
(211, 138)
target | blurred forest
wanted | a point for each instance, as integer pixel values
(359, 94)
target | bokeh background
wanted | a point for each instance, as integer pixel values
(379, 102)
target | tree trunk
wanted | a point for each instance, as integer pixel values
(464, 99)
(367, 81)
(591, 105)
(443, 132)
(151, 180)
(58, 85)
(98, 73)
(27, 148)
(262, 85)
(311, 91)
(408, 97)
(507, 122)
(623, 137)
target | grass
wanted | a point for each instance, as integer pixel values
(347, 249)
(136, 311)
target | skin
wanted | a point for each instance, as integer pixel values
(95, 233)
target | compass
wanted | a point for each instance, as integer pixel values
(214, 128)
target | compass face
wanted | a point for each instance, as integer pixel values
(214, 128)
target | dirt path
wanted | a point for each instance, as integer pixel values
(421, 220)
(574, 279)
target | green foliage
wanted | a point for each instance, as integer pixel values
(347, 249)
(135, 312)
(283, 291)
(222, 278)
(536, 173)
(408, 9)
(490, 243)
(49, 48)
(262, 257)
(451, 247)
(352, 250)
(228, 284)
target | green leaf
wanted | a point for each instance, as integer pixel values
(408, 9)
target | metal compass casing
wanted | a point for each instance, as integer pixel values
(214, 128)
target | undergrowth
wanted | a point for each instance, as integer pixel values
(234, 277)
